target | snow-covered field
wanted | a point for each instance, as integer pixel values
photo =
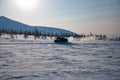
(45, 60)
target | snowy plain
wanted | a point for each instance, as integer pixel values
(44, 60)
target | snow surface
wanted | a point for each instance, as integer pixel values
(45, 60)
(15, 25)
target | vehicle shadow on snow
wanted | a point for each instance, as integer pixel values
(64, 43)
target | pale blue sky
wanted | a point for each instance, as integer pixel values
(81, 16)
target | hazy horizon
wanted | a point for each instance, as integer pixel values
(80, 16)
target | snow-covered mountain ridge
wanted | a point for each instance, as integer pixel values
(6, 23)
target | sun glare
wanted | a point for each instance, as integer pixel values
(26, 4)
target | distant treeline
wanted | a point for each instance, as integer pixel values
(97, 37)
(37, 34)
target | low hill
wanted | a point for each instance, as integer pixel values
(6, 23)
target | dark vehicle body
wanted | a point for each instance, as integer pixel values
(59, 40)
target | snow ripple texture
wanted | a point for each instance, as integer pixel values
(50, 61)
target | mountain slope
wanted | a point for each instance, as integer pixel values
(6, 23)
(11, 24)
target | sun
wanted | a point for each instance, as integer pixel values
(26, 4)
